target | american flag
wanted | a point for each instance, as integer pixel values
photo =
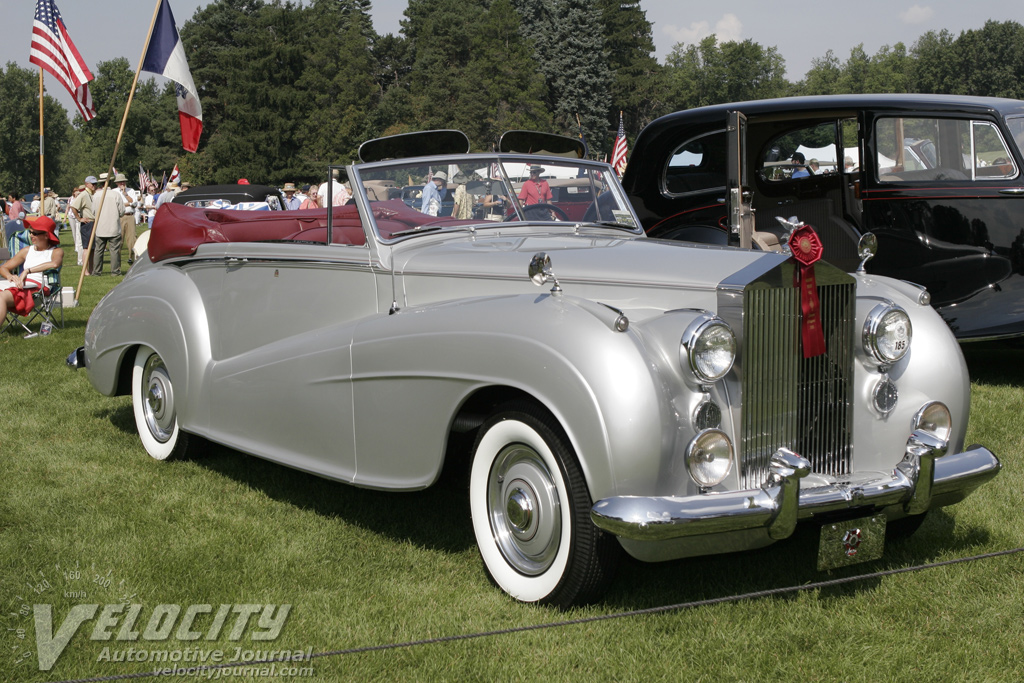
(619, 151)
(53, 51)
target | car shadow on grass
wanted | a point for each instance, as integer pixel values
(435, 518)
(787, 564)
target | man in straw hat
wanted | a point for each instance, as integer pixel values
(535, 190)
(291, 202)
(107, 228)
(433, 193)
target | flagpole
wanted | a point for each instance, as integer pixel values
(117, 143)
(42, 182)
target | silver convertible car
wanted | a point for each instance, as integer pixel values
(622, 393)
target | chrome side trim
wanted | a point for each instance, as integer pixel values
(780, 502)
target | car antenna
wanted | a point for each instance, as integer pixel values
(394, 292)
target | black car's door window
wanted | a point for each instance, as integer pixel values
(697, 165)
(921, 149)
(801, 153)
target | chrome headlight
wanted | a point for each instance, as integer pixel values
(709, 457)
(887, 333)
(708, 348)
(935, 419)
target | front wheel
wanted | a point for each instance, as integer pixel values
(154, 403)
(531, 512)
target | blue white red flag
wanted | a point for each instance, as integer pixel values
(166, 57)
(619, 151)
(53, 50)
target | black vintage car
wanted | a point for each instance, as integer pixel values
(937, 178)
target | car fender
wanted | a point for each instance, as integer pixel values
(423, 363)
(161, 309)
(933, 370)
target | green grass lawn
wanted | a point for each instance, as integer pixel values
(85, 510)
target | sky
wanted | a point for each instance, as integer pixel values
(801, 30)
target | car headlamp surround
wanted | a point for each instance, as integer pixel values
(934, 417)
(709, 458)
(887, 333)
(708, 348)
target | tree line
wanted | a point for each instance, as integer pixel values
(287, 89)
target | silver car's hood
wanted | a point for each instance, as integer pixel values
(594, 266)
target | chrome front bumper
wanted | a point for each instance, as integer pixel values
(76, 359)
(927, 477)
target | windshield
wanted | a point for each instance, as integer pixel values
(486, 190)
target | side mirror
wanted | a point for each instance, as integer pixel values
(867, 247)
(540, 271)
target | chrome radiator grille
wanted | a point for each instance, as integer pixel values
(802, 404)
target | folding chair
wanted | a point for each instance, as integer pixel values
(49, 302)
(18, 241)
(49, 306)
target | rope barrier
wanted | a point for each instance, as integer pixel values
(194, 670)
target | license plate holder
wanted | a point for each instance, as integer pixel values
(851, 542)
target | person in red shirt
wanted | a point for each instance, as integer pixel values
(14, 206)
(535, 190)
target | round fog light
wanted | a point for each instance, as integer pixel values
(885, 395)
(709, 457)
(934, 418)
(707, 416)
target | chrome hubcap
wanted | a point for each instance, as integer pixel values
(524, 509)
(520, 512)
(158, 399)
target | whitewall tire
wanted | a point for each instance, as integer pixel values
(531, 512)
(155, 407)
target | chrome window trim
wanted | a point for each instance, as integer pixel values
(664, 171)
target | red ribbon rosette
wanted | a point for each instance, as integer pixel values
(807, 250)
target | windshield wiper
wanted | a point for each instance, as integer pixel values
(418, 230)
(615, 224)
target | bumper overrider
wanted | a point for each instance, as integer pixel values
(927, 477)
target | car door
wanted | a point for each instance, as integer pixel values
(281, 318)
(944, 196)
(798, 169)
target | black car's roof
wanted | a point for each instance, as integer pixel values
(235, 192)
(826, 103)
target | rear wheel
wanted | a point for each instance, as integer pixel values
(154, 403)
(531, 512)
